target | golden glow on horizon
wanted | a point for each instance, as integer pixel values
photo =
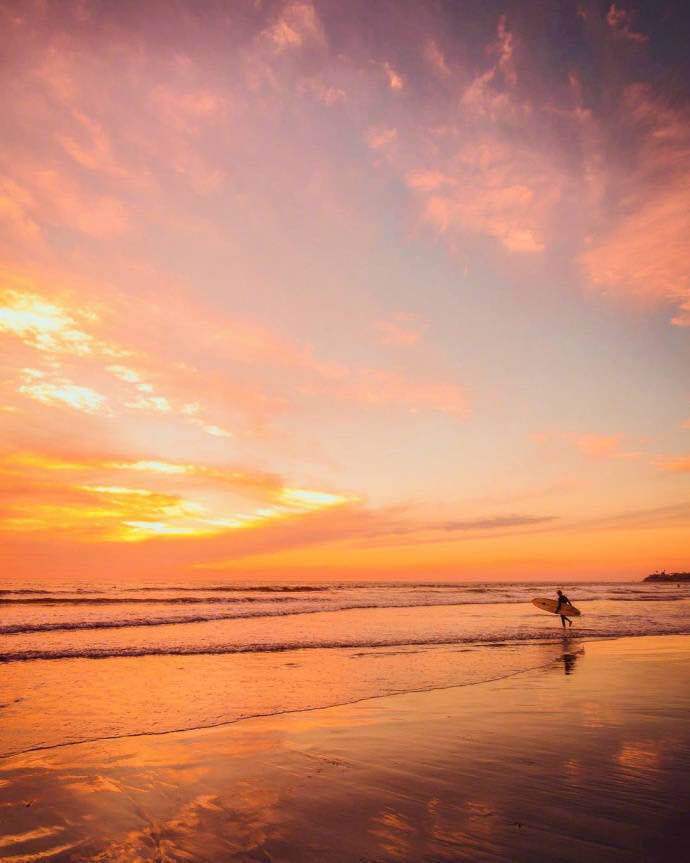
(118, 513)
(301, 497)
(116, 489)
(154, 466)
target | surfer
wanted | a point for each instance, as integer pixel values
(562, 601)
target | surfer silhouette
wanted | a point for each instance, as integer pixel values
(562, 601)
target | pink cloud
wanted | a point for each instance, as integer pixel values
(15, 213)
(504, 47)
(327, 94)
(491, 190)
(297, 23)
(476, 167)
(427, 181)
(434, 56)
(644, 255)
(381, 138)
(90, 146)
(402, 330)
(44, 197)
(188, 110)
(379, 387)
(620, 22)
(395, 80)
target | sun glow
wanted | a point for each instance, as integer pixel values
(302, 498)
(79, 398)
(116, 489)
(154, 466)
(180, 500)
(43, 325)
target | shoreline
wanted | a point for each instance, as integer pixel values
(288, 712)
(584, 758)
(229, 722)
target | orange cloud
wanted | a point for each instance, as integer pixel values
(594, 446)
(599, 446)
(89, 502)
(674, 464)
(63, 332)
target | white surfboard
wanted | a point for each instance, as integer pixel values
(550, 605)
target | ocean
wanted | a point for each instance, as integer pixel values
(85, 662)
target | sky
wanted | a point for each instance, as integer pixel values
(371, 290)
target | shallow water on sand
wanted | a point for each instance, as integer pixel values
(82, 662)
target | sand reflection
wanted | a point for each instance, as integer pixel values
(392, 833)
(518, 769)
(641, 756)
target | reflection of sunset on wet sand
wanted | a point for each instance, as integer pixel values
(436, 775)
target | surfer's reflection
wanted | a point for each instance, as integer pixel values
(569, 660)
(569, 656)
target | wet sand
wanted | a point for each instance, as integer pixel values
(587, 759)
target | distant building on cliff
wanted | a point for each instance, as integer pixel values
(668, 576)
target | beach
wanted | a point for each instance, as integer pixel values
(586, 757)
(344, 431)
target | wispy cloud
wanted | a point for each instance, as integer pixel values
(674, 464)
(591, 445)
(61, 391)
(48, 326)
(89, 502)
(643, 255)
(296, 24)
(66, 337)
(401, 330)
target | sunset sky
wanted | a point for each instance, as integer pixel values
(371, 289)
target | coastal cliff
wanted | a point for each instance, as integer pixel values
(668, 576)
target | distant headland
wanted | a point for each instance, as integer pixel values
(668, 576)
